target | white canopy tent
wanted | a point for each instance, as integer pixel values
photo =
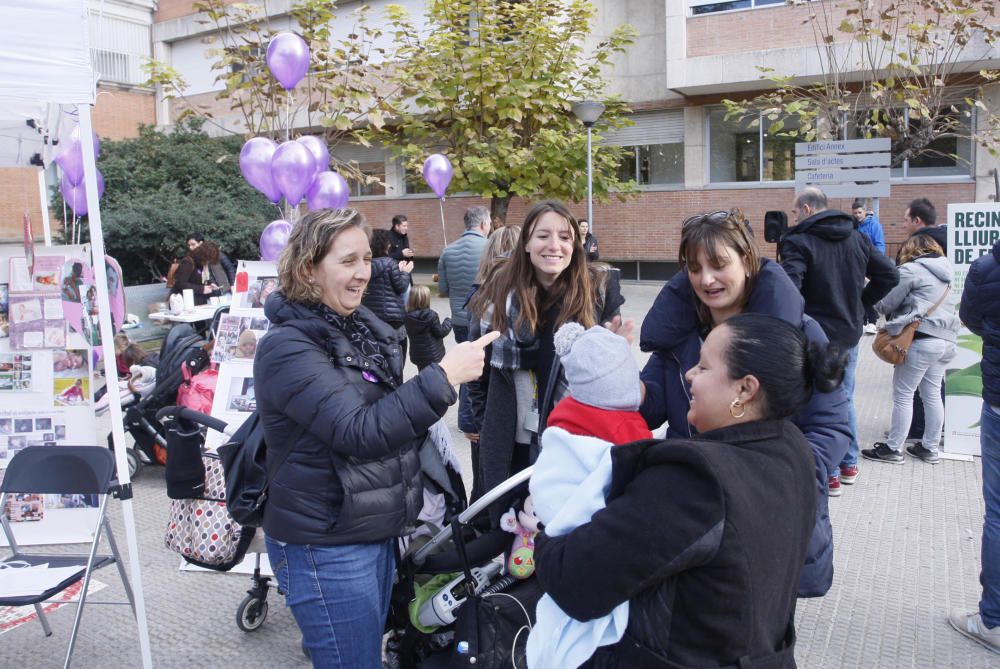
(46, 80)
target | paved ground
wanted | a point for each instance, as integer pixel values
(907, 549)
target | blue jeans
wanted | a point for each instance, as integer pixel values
(989, 440)
(851, 457)
(923, 368)
(339, 596)
(465, 424)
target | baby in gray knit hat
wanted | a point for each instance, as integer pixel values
(604, 387)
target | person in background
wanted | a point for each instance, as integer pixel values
(589, 241)
(389, 281)
(457, 269)
(692, 523)
(425, 329)
(201, 272)
(922, 294)
(920, 217)
(724, 275)
(196, 238)
(838, 272)
(980, 312)
(866, 222)
(343, 432)
(546, 282)
(399, 239)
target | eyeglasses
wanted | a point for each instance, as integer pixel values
(716, 217)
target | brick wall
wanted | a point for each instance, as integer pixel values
(20, 194)
(172, 9)
(119, 111)
(647, 227)
(761, 29)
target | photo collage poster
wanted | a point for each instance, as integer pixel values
(34, 306)
(45, 393)
(237, 338)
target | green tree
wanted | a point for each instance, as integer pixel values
(907, 70)
(160, 187)
(343, 90)
(492, 85)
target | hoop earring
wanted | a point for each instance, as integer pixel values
(736, 404)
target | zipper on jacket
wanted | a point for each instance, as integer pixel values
(687, 395)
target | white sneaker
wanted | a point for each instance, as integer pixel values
(870, 329)
(971, 625)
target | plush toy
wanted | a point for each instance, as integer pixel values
(524, 525)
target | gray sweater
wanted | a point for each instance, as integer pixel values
(921, 282)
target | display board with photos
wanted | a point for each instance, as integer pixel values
(46, 379)
(236, 341)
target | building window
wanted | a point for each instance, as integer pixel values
(118, 49)
(740, 151)
(360, 189)
(413, 183)
(699, 7)
(948, 155)
(654, 148)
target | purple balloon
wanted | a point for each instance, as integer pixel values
(437, 173)
(75, 137)
(274, 239)
(255, 165)
(328, 191)
(75, 195)
(319, 150)
(293, 168)
(71, 161)
(288, 59)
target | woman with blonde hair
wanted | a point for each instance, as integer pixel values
(923, 293)
(544, 283)
(343, 431)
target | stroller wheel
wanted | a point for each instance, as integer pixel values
(134, 463)
(251, 613)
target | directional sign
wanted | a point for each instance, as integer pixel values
(824, 161)
(844, 168)
(836, 176)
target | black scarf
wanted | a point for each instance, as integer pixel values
(358, 333)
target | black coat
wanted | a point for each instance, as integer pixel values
(707, 538)
(828, 260)
(980, 311)
(385, 291)
(426, 332)
(397, 243)
(938, 232)
(353, 475)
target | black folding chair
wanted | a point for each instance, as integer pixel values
(71, 470)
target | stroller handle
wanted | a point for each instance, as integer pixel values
(474, 509)
(194, 416)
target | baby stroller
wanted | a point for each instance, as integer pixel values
(444, 494)
(182, 347)
(469, 613)
(185, 444)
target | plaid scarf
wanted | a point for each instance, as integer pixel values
(358, 334)
(513, 349)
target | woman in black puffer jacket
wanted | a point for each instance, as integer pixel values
(342, 432)
(390, 281)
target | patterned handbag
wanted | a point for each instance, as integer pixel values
(201, 529)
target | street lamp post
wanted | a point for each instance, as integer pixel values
(588, 111)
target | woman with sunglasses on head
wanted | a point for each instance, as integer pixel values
(724, 275)
(708, 532)
(544, 283)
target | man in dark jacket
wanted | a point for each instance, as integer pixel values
(980, 312)
(921, 218)
(828, 260)
(399, 246)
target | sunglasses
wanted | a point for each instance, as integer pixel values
(715, 217)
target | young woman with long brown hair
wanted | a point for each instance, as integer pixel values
(544, 283)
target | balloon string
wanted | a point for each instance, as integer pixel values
(443, 232)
